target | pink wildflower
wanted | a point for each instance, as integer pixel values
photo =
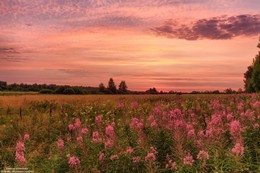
(134, 105)
(71, 127)
(154, 124)
(95, 137)
(113, 124)
(150, 118)
(171, 165)
(84, 131)
(136, 124)
(136, 159)
(216, 120)
(77, 123)
(209, 132)
(203, 155)
(20, 146)
(121, 105)
(74, 162)
(153, 150)
(201, 134)
(140, 125)
(109, 143)
(68, 138)
(188, 160)
(150, 156)
(248, 115)
(129, 150)
(98, 119)
(230, 117)
(199, 143)
(240, 106)
(191, 133)
(157, 110)
(175, 114)
(110, 131)
(95, 134)
(238, 149)
(60, 143)
(79, 139)
(26, 136)
(256, 104)
(256, 126)
(101, 157)
(235, 128)
(19, 156)
(113, 157)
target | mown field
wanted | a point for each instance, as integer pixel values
(131, 133)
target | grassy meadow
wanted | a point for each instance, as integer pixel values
(130, 133)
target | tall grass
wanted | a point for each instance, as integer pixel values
(133, 133)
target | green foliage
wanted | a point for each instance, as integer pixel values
(69, 91)
(252, 75)
(256, 77)
(162, 141)
(46, 91)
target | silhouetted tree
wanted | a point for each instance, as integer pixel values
(152, 91)
(229, 91)
(216, 92)
(3, 85)
(122, 87)
(112, 86)
(240, 91)
(252, 75)
(101, 88)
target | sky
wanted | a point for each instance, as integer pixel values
(178, 45)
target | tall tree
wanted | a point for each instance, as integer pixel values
(248, 80)
(112, 86)
(252, 75)
(101, 88)
(122, 87)
(256, 77)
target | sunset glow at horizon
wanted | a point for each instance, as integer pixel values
(178, 45)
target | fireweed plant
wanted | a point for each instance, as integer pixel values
(205, 133)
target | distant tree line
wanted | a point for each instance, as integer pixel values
(48, 88)
(66, 89)
(226, 91)
(252, 75)
(111, 88)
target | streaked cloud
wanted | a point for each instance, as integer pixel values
(222, 27)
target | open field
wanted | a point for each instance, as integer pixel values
(130, 133)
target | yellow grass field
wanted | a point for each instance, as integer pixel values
(15, 100)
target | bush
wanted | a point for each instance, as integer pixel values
(46, 91)
(69, 91)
